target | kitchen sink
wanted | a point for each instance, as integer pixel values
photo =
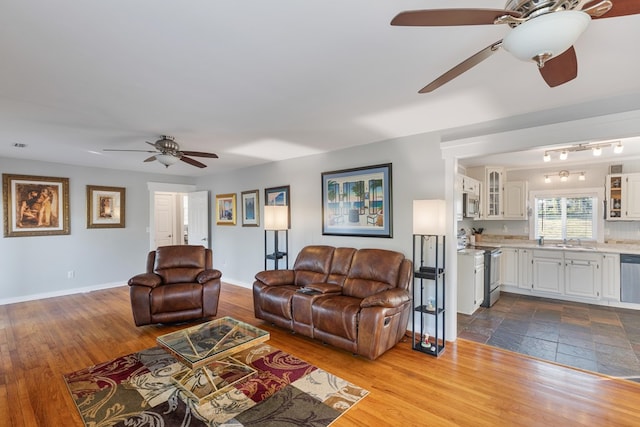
(574, 247)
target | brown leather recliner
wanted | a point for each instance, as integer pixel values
(179, 285)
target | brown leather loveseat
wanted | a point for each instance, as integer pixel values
(179, 285)
(357, 300)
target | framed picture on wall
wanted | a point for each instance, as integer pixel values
(279, 196)
(226, 209)
(105, 207)
(250, 208)
(357, 202)
(35, 205)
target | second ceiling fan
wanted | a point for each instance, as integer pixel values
(542, 31)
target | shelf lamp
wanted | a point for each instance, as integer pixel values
(276, 219)
(546, 36)
(429, 217)
(167, 159)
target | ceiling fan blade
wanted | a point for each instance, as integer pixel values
(200, 154)
(465, 65)
(561, 69)
(150, 159)
(620, 8)
(139, 151)
(193, 162)
(448, 17)
(153, 144)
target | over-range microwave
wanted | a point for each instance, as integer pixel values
(471, 205)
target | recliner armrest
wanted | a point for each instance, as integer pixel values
(275, 277)
(150, 280)
(388, 298)
(207, 275)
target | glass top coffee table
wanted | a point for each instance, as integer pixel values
(205, 350)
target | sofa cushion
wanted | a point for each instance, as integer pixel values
(372, 271)
(337, 315)
(312, 264)
(340, 264)
(177, 297)
(176, 264)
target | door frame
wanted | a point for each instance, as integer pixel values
(154, 187)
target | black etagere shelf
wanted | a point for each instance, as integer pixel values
(428, 294)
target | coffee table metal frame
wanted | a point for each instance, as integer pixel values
(205, 351)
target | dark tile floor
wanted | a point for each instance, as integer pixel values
(591, 337)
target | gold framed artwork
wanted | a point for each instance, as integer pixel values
(105, 207)
(226, 209)
(35, 205)
(250, 208)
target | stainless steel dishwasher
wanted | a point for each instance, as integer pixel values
(630, 278)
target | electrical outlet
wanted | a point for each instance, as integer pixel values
(71, 274)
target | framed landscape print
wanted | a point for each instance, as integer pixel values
(226, 209)
(105, 207)
(250, 208)
(278, 196)
(357, 202)
(35, 205)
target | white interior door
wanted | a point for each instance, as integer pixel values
(198, 217)
(164, 205)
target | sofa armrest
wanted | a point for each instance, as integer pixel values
(150, 280)
(207, 275)
(325, 288)
(389, 298)
(275, 277)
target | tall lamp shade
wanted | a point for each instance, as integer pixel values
(429, 217)
(276, 217)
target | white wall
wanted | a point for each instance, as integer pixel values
(38, 266)
(417, 173)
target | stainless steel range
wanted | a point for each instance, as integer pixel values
(492, 256)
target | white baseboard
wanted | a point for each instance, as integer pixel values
(63, 292)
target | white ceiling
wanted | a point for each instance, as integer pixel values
(256, 81)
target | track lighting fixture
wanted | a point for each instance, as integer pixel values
(596, 149)
(564, 176)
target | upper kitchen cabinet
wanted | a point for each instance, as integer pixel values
(515, 200)
(623, 191)
(494, 192)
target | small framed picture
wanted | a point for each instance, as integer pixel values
(279, 196)
(250, 208)
(35, 205)
(105, 207)
(226, 209)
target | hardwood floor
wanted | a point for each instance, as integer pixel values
(470, 384)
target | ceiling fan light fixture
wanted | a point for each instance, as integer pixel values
(546, 36)
(166, 159)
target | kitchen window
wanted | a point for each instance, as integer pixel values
(566, 215)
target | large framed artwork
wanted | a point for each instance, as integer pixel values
(279, 196)
(250, 208)
(357, 202)
(105, 207)
(35, 205)
(226, 209)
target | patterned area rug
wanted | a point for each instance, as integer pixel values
(136, 390)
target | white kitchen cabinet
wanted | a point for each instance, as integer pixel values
(470, 185)
(515, 200)
(582, 274)
(548, 271)
(623, 197)
(509, 274)
(611, 276)
(493, 192)
(470, 280)
(525, 268)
